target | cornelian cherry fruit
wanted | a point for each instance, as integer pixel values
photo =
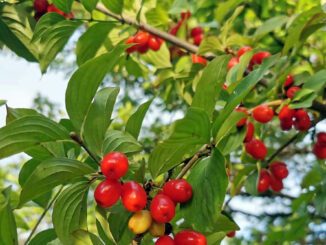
(321, 138)
(256, 148)
(279, 170)
(290, 93)
(198, 39)
(302, 120)
(288, 81)
(230, 234)
(242, 121)
(189, 237)
(133, 196)
(263, 181)
(250, 132)
(196, 59)
(165, 240)
(107, 193)
(153, 43)
(196, 31)
(263, 114)
(162, 208)
(276, 184)
(258, 58)
(243, 50)
(232, 62)
(319, 151)
(41, 6)
(114, 165)
(179, 190)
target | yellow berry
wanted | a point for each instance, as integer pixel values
(157, 229)
(140, 222)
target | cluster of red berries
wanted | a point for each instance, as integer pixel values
(290, 90)
(134, 198)
(185, 237)
(143, 41)
(290, 117)
(273, 177)
(42, 7)
(319, 148)
(256, 59)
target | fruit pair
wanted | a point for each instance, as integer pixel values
(290, 90)
(235, 60)
(184, 17)
(142, 42)
(319, 148)
(185, 237)
(197, 35)
(291, 117)
(273, 178)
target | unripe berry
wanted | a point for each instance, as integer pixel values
(256, 148)
(288, 81)
(153, 43)
(133, 196)
(243, 120)
(157, 229)
(263, 181)
(319, 151)
(302, 120)
(263, 114)
(189, 237)
(230, 234)
(276, 184)
(178, 190)
(250, 132)
(165, 240)
(107, 193)
(162, 208)
(232, 62)
(290, 93)
(321, 138)
(140, 222)
(198, 39)
(114, 165)
(279, 170)
(196, 59)
(243, 50)
(196, 31)
(40, 6)
(258, 58)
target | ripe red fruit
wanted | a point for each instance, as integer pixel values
(258, 58)
(185, 15)
(141, 39)
(263, 114)
(53, 8)
(321, 138)
(189, 237)
(107, 193)
(41, 6)
(165, 240)
(114, 165)
(153, 43)
(131, 40)
(292, 91)
(276, 184)
(243, 50)
(286, 113)
(302, 120)
(230, 234)
(133, 196)
(243, 120)
(196, 59)
(288, 81)
(198, 39)
(178, 190)
(196, 31)
(250, 132)
(256, 148)
(286, 124)
(263, 181)
(279, 170)
(162, 208)
(232, 62)
(319, 151)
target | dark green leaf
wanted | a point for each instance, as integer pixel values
(82, 237)
(44, 237)
(116, 6)
(64, 5)
(270, 25)
(89, 4)
(15, 113)
(119, 227)
(316, 82)
(224, 8)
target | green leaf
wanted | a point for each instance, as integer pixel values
(242, 90)
(15, 113)
(51, 173)
(121, 142)
(116, 6)
(270, 25)
(303, 99)
(316, 82)
(232, 141)
(209, 181)
(90, 5)
(119, 227)
(224, 8)
(8, 232)
(44, 237)
(159, 59)
(98, 118)
(189, 134)
(16, 32)
(210, 44)
(64, 5)
(2, 102)
(210, 84)
(91, 41)
(27, 132)
(157, 16)
(70, 211)
(135, 121)
(82, 237)
(84, 83)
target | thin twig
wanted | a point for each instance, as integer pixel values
(43, 215)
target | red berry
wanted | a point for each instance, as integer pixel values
(288, 81)
(243, 120)
(196, 59)
(107, 193)
(53, 8)
(114, 165)
(40, 6)
(258, 58)
(196, 31)
(141, 39)
(174, 30)
(198, 39)
(230, 234)
(279, 170)
(232, 62)
(250, 132)
(263, 114)
(189, 237)
(292, 91)
(276, 184)
(319, 151)
(243, 50)
(256, 148)
(162, 208)
(286, 124)
(263, 181)
(302, 120)
(321, 138)
(38, 15)
(133, 196)
(286, 113)
(133, 48)
(165, 240)
(185, 15)
(225, 87)
(178, 190)
(153, 43)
